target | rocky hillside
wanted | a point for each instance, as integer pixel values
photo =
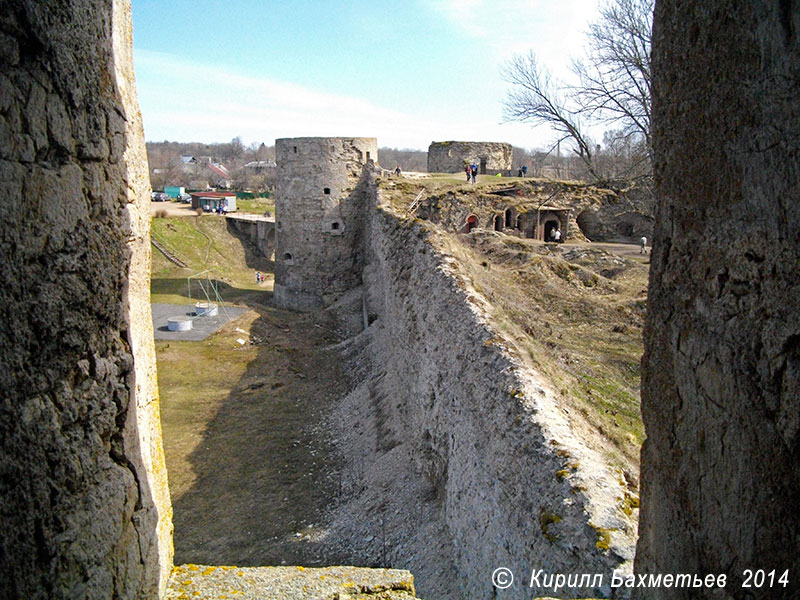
(598, 214)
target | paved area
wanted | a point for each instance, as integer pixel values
(202, 327)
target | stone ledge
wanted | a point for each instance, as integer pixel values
(189, 582)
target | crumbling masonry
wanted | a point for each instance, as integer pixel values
(319, 212)
(450, 157)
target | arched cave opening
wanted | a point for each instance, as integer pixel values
(549, 227)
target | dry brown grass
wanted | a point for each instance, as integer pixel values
(573, 313)
(248, 465)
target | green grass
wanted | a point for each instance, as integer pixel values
(246, 463)
(256, 205)
(204, 243)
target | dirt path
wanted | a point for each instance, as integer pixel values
(172, 209)
(248, 460)
(632, 251)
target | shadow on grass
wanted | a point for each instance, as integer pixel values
(177, 291)
(263, 467)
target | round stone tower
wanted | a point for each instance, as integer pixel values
(319, 214)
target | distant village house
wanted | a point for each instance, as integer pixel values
(261, 166)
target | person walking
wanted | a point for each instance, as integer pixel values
(474, 170)
(524, 170)
(467, 171)
(643, 247)
(557, 236)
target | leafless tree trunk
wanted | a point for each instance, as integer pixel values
(614, 84)
(615, 77)
(535, 99)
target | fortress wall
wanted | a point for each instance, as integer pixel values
(721, 370)
(84, 500)
(319, 213)
(485, 432)
(449, 157)
(260, 233)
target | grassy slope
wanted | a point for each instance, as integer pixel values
(256, 205)
(204, 243)
(574, 325)
(247, 466)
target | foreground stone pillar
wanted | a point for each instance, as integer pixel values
(721, 376)
(84, 503)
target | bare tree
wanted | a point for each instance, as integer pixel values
(614, 84)
(166, 168)
(535, 98)
(406, 159)
(624, 156)
(615, 77)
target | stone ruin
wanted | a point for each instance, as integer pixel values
(538, 222)
(450, 157)
(84, 500)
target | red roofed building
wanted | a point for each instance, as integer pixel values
(223, 176)
(211, 201)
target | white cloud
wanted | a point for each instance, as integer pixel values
(553, 29)
(188, 101)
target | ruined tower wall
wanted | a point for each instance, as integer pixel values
(721, 370)
(449, 157)
(84, 501)
(319, 214)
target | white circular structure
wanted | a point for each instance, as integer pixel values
(206, 309)
(179, 323)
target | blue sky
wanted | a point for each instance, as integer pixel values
(408, 72)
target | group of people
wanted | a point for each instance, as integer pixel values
(471, 171)
(555, 235)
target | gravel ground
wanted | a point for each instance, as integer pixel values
(174, 209)
(295, 583)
